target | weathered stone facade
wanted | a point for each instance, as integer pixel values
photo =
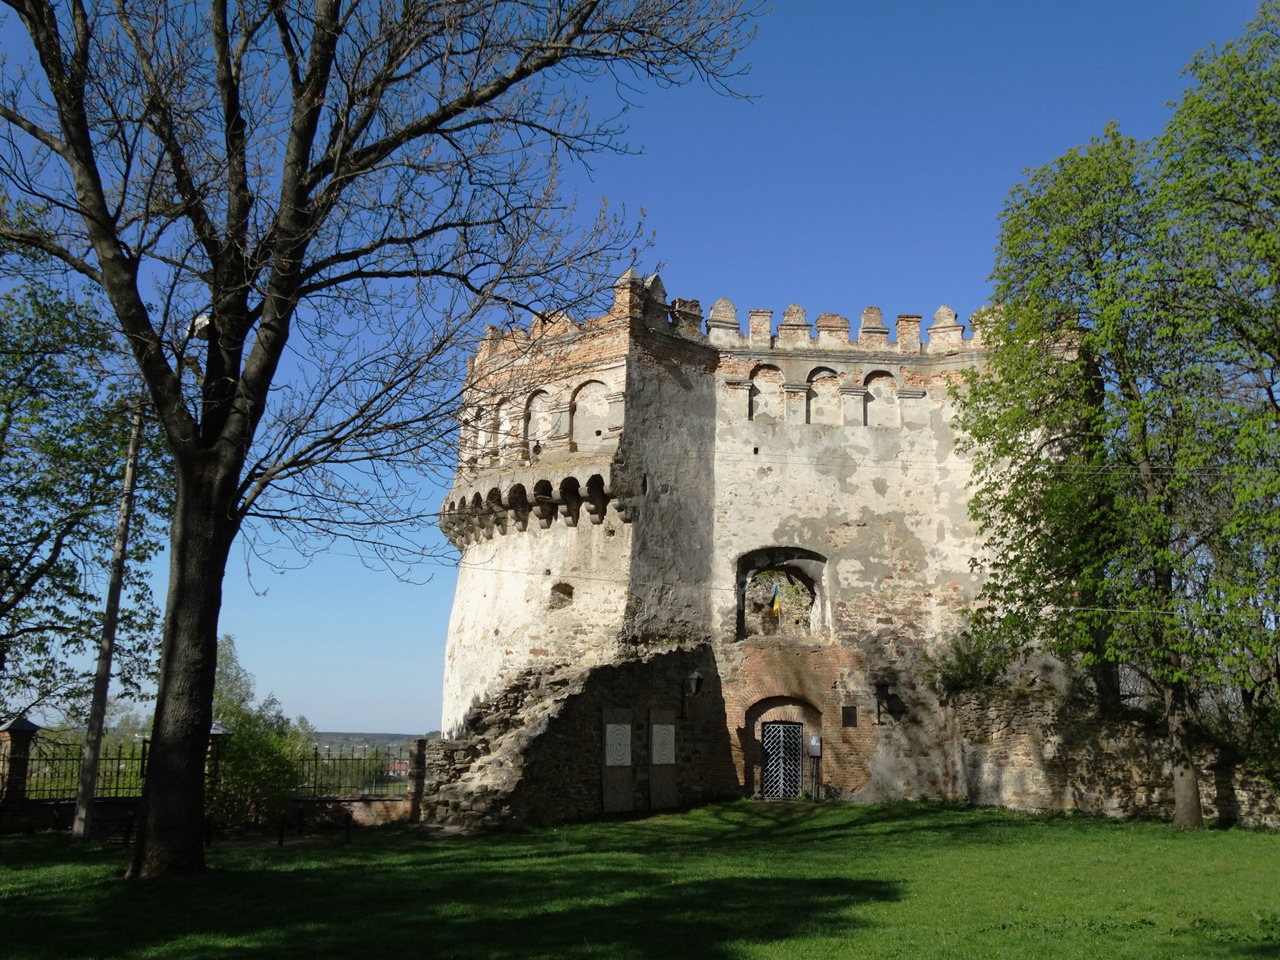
(634, 492)
(631, 484)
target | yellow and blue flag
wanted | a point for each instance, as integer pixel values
(777, 602)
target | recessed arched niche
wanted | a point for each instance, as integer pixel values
(507, 438)
(880, 402)
(589, 417)
(539, 423)
(822, 405)
(766, 401)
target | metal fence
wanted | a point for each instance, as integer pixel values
(53, 771)
(353, 771)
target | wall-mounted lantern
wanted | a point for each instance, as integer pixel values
(882, 700)
(691, 688)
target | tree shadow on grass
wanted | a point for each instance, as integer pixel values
(436, 910)
(710, 882)
(773, 824)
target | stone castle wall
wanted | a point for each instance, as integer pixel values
(625, 482)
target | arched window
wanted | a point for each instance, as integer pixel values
(880, 404)
(766, 404)
(823, 402)
(589, 417)
(781, 590)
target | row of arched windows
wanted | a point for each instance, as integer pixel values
(824, 403)
(520, 428)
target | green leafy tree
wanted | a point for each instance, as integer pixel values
(63, 435)
(301, 214)
(1105, 434)
(1219, 187)
(1218, 173)
(255, 769)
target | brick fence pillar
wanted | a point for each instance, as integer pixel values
(15, 755)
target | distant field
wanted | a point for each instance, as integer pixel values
(742, 880)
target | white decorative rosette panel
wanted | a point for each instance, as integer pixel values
(617, 745)
(664, 743)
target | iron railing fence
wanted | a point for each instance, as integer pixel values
(379, 772)
(53, 771)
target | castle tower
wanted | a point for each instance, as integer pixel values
(787, 502)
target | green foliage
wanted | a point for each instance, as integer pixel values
(1219, 162)
(1126, 432)
(1124, 448)
(254, 768)
(63, 437)
(974, 660)
(1086, 428)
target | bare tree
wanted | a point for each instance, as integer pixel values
(320, 203)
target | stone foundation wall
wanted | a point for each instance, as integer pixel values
(111, 816)
(563, 773)
(1029, 753)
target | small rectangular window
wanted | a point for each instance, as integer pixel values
(849, 716)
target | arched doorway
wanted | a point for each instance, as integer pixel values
(782, 759)
(774, 736)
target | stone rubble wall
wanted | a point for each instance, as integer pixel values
(1030, 753)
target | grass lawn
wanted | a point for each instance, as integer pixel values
(741, 880)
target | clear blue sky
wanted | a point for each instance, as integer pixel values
(870, 169)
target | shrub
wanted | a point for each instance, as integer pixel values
(969, 662)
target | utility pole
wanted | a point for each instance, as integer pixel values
(106, 644)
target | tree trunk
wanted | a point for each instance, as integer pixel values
(1106, 680)
(88, 788)
(171, 826)
(1186, 786)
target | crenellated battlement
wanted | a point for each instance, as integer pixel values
(642, 306)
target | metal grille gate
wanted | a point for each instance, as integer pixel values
(782, 742)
